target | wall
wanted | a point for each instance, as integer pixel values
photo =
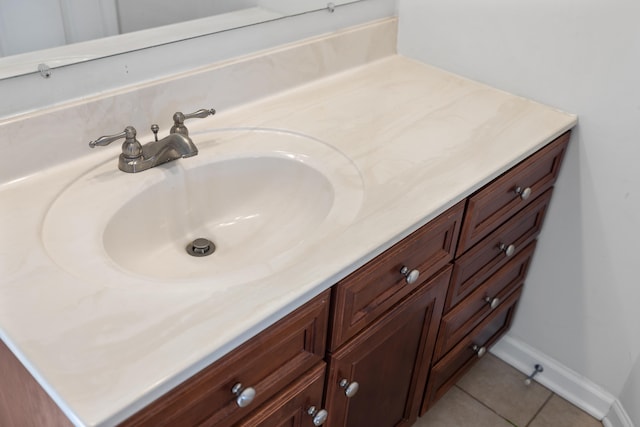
(15, 37)
(76, 82)
(580, 305)
(41, 24)
(137, 15)
(630, 396)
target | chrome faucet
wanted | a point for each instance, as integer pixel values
(136, 157)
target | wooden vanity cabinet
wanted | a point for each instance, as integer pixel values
(267, 363)
(384, 323)
(497, 242)
(445, 373)
(483, 260)
(405, 336)
(389, 361)
(463, 318)
(374, 288)
(292, 406)
(23, 402)
(501, 199)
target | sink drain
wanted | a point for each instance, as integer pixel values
(201, 247)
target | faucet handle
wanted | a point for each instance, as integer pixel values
(108, 139)
(179, 118)
(131, 147)
(200, 114)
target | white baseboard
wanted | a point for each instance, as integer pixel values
(617, 417)
(564, 382)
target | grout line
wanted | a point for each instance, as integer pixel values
(483, 404)
(540, 409)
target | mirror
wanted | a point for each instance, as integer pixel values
(63, 32)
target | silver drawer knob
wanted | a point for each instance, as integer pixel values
(244, 396)
(480, 351)
(508, 250)
(524, 193)
(350, 389)
(493, 302)
(318, 417)
(411, 276)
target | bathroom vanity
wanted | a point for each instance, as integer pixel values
(394, 340)
(429, 191)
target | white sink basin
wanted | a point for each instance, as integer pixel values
(261, 196)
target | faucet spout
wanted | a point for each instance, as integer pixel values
(171, 147)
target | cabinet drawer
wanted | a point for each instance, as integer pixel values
(370, 291)
(290, 407)
(389, 360)
(467, 315)
(458, 361)
(267, 362)
(484, 259)
(498, 201)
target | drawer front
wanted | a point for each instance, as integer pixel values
(458, 361)
(490, 296)
(267, 362)
(290, 407)
(369, 292)
(498, 201)
(484, 259)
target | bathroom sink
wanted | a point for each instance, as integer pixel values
(260, 196)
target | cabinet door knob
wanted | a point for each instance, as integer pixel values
(350, 389)
(410, 275)
(524, 193)
(508, 250)
(493, 302)
(244, 396)
(480, 351)
(318, 417)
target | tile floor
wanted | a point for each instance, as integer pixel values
(493, 394)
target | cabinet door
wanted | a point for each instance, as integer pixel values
(389, 361)
(291, 407)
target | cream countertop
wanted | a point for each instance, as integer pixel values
(422, 140)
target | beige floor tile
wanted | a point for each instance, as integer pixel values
(560, 413)
(458, 409)
(501, 388)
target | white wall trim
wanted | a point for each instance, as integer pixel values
(617, 417)
(563, 381)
